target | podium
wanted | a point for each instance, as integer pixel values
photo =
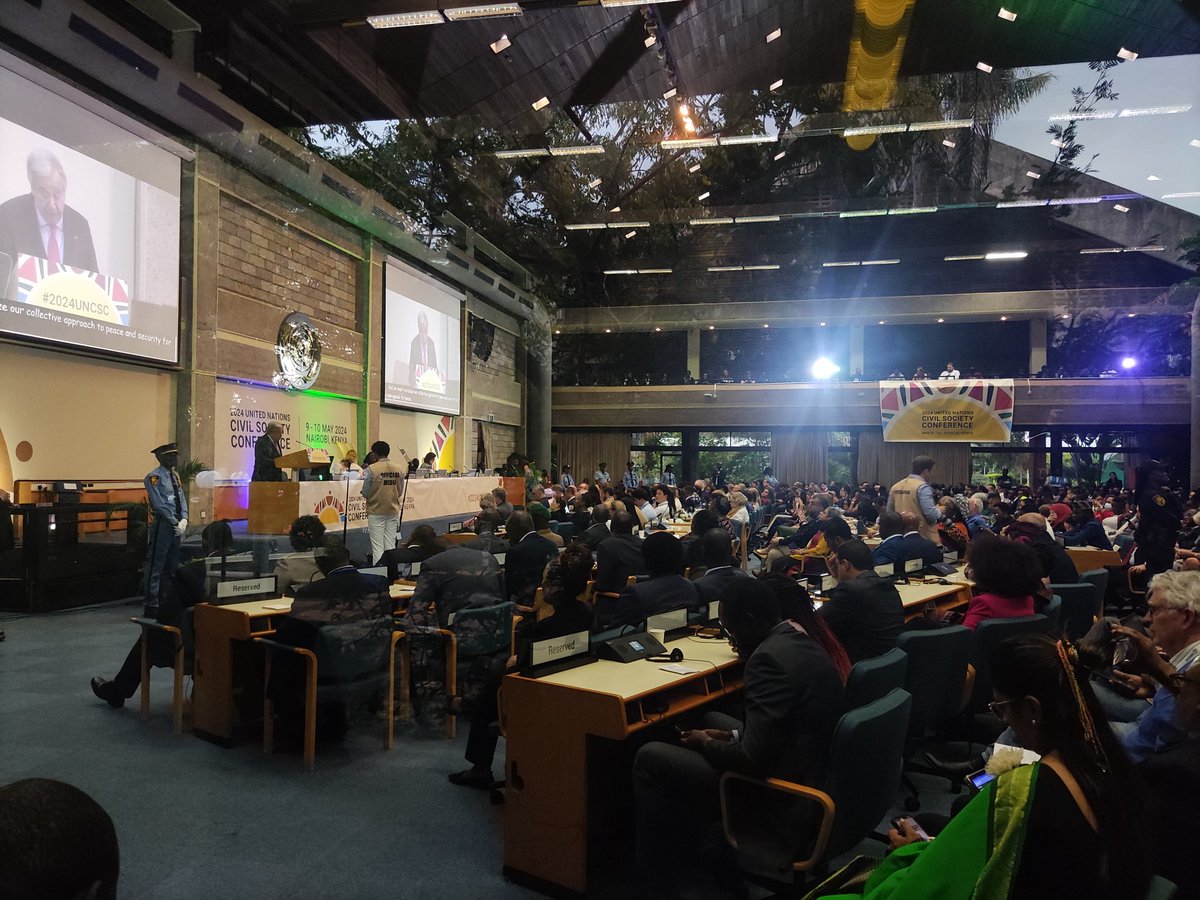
(274, 505)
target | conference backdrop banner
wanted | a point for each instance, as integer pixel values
(244, 411)
(968, 410)
(426, 498)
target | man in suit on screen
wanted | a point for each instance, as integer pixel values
(41, 224)
(422, 354)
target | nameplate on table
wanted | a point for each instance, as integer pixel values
(828, 583)
(668, 621)
(714, 610)
(887, 570)
(913, 565)
(558, 648)
(246, 587)
(950, 557)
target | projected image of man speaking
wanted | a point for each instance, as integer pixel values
(41, 223)
(422, 354)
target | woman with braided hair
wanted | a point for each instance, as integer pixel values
(1066, 826)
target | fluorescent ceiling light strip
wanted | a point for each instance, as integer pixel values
(655, 271)
(1149, 248)
(1007, 14)
(500, 44)
(880, 262)
(1005, 254)
(628, 224)
(581, 150)
(614, 3)
(961, 258)
(484, 12)
(620, 271)
(1153, 111)
(1119, 208)
(586, 226)
(1195, 143)
(1018, 204)
(540, 103)
(750, 220)
(1074, 201)
(724, 268)
(775, 35)
(1100, 250)
(1181, 196)
(834, 265)
(1084, 116)
(874, 129)
(406, 20)
(748, 139)
(712, 220)
(763, 268)
(938, 126)
(518, 154)
(687, 143)
(776, 85)
(983, 67)
(1127, 54)
(912, 210)
(862, 213)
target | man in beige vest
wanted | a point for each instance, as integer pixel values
(914, 495)
(381, 485)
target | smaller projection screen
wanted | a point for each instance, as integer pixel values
(422, 345)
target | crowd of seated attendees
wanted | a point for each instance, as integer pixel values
(1016, 541)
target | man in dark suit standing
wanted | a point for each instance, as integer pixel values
(526, 559)
(41, 224)
(664, 591)
(864, 611)
(421, 353)
(793, 698)
(619, 555)
(266, 451)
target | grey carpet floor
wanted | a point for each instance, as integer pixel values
(195, 820)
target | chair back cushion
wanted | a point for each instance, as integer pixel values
(1079, 607)
(483, 630)
(937, 667)
(988, 635)
(874, 678)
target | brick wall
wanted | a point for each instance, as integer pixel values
(260, 257)
(502, 363)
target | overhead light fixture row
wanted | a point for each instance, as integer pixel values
(776, 85)
(714, 220)
(500, 44)
(587, 226)
(628, 224)
(998, 255)
(580, 150)
(983, 67)
(1009, 16)
(1181, 196)
(963, 258)
(406, 20)
(487, 11)
(1120, 208)
(541, 103)
(519, 154)
(751, 220)
(775, 35)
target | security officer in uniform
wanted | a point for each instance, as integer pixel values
(1159, 515)
(170, 509)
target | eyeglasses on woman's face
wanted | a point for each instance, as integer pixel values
(996, 708)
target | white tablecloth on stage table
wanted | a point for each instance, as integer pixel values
(427, 498)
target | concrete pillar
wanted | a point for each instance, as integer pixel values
(1037, 345)
(693, 352)
(857, 349)
(538, 396)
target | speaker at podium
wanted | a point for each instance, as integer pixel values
(274, 505)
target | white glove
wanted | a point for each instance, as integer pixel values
(181, 528)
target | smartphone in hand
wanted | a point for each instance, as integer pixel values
(913, 826)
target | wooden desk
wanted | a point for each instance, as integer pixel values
(547, 723)
(214, 713)
(1088, 558)
(918, 597)
(219, 631)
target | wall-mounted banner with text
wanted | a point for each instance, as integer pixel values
(969, 410)
(244, 411)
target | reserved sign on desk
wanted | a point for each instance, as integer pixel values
(559, 648)
(246, 587)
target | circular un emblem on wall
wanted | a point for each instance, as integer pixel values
(298, 351)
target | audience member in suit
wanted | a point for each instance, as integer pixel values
(420, 546)
(355, 609)
(1085, 530)
(719, 570)
(486, 524)
(665, 590)
(541, 523)
(916, 545)
(526, 558)
(863, 610)
(454, 579)
(693, 548)
(297, 569)
(793, 699)
(1056, 562)
(619, 555)
(892, 548)
(189, 586)
(502, 505)
(597, 532)
(564, 582)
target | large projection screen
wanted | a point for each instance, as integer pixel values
(422, 345)
(89, 225)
